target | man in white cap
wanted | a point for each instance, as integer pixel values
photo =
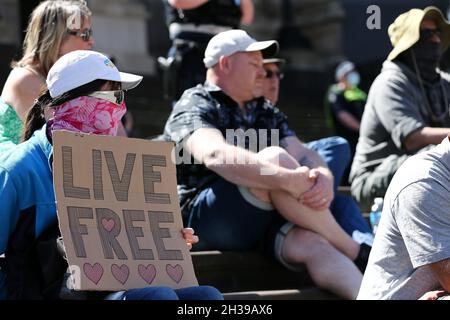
(238, 198)
(407, 109)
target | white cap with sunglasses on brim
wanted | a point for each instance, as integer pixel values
(81, 67)
(404, 32)
(230, 42)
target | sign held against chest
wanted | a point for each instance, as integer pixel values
(118, 212)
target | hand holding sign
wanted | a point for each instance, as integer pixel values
(191, 239)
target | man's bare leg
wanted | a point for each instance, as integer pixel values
(292, 210)
(329, 268)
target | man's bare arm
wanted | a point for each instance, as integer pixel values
(243, 167)
(349, 120)
(425, 137)
(248, 12)
(441, 270)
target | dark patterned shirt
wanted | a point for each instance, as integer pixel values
(208, 106)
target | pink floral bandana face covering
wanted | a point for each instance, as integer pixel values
(88, 115)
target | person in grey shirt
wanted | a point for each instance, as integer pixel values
(411, 253)
(407, 110)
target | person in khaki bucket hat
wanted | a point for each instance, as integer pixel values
(407, 113)
(408, 104)
(405, 31)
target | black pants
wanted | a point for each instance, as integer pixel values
(187, 51)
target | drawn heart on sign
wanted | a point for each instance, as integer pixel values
(148, 273)
(175, 272)
(93, 272)
(108, 224)
(121, 273)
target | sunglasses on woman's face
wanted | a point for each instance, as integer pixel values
(116, 97)
(85, 34)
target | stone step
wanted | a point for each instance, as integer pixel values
(246, 272)
(312, 293)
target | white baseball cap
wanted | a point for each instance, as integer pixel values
(230, 42)
(80, 67)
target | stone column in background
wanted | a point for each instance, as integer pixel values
(321, 21)
(120, 30)
(267, 21)
(9, 22)
(310, 31)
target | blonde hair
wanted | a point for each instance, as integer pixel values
(47, 29)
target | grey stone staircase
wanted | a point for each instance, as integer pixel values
(250, 276)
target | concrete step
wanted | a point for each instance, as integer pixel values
(246, 272)
(312, 293)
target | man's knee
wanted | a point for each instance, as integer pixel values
(278, 156)
(307, 238)
(311, 244)
(262, 195)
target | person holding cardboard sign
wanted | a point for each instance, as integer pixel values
(86, 94)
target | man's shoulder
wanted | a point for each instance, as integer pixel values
(265, 105)
(392, 72)
(334, 94)
(433, 172)
(195, 92)
(397, 74)
(200, 96)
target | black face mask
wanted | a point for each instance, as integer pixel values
(427, 54)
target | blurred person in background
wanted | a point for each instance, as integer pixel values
(192, 23)
(344, 106)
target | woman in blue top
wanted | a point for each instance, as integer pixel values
(85, 94)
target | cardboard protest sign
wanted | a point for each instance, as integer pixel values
(119, 213)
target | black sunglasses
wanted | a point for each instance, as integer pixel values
(270, 74)
(428, 33)
(85, 35)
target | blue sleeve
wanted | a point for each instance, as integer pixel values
(9, 213)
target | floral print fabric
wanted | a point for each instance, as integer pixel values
(88, 115)
(10, 127)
